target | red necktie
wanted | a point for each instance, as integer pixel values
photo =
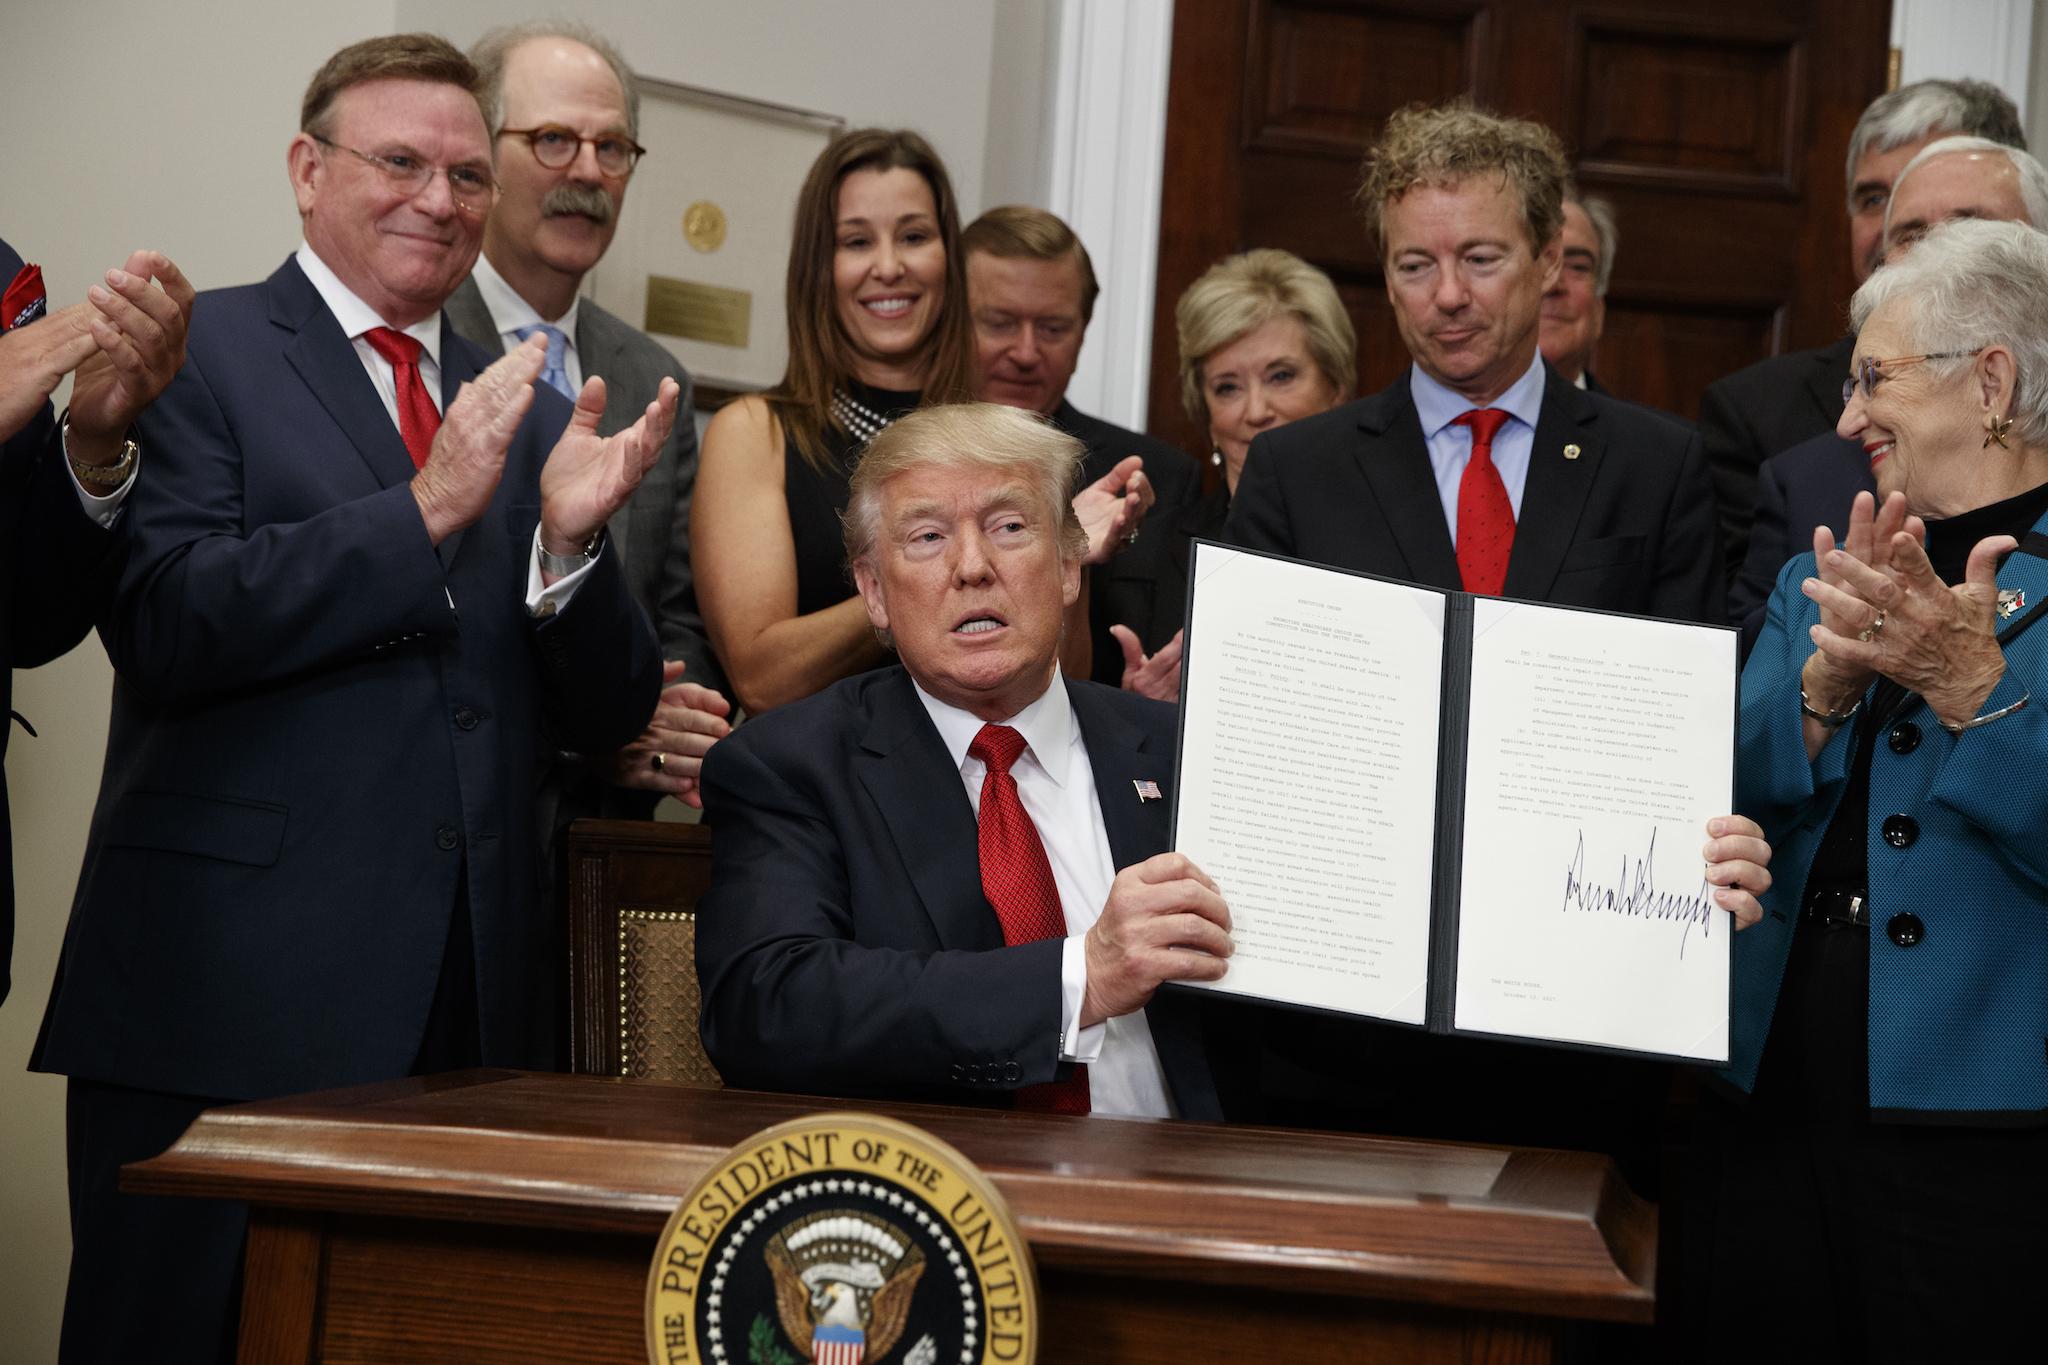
(1017, 879)
(418, 418)
(1486, 519)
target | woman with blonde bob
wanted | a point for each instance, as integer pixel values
(1264, 340)
(1878, 1195)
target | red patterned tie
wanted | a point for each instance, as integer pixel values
(1017, 879)
(1486, 519)
(418, 418)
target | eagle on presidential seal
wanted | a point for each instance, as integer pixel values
(843, 1282)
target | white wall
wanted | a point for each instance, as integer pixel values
(194, 164)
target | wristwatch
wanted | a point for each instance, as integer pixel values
(561, 566)
(106, 476)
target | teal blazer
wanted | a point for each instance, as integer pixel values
(1958, 1018)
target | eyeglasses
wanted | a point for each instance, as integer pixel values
(1870, 372)
(555, 147)
(471, 186)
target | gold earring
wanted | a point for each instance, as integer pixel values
(1996, 429)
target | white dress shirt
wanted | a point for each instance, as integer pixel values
(103, 508)
(357, 320)
(510, 312)
(1056, 783)
(1450, 447)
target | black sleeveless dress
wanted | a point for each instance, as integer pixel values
(816, 499)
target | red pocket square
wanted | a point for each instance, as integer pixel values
(23, 302)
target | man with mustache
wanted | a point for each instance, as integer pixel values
(564, 116)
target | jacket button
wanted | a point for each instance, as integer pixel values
(1900, 830)
(1013, 1072)
(445, 838)
(959, 1073)
(466, 717)
(1904, 738)
(1905, 929)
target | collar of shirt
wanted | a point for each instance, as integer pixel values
(1047, 726)
(357, 317)
(510, 312)
(1439, 406)
(1580, 382)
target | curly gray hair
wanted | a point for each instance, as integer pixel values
(1969, 284)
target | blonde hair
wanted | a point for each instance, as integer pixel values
(1444, 145)
(985, 436)
(1240, 294)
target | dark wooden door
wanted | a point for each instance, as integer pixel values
(1718, 130)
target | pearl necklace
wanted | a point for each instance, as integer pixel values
(862, 422)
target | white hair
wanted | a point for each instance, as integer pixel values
(2033, 176)
(1606, 233)
(1966, 285)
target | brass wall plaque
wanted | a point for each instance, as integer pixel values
(699, 312)
(704, 225)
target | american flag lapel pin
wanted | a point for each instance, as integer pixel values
(1147, 791)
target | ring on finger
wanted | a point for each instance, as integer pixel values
(659, 761)
(1874, 629)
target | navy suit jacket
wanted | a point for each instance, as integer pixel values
(1751, 415)
(58, 570)
(1810, 485)
(325, 731)
(845, 946)
(1627, 524)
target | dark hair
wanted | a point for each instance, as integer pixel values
(396, 57)
(1016, 232)
(820, 353)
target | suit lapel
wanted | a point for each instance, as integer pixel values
(1137, 827)
(1394, 461)
(1555, 494)
(472, 317)
(326, 360)
(602, 351)
(913, 783)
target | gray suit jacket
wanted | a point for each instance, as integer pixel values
(653, 529)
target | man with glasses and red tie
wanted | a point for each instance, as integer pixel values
(364, 572)
(564, 114)
(947, 880)
(1480, 468)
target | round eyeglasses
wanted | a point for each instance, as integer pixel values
(556, 147)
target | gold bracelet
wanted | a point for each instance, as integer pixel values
(2000, 714)
(1832, 719)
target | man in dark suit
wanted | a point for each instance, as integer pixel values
(342, 621)
(565, 113)
(1580, 499)
(917, 892)
(62, 489)
(1775, 404)
(1032, 289)
(1813, 483)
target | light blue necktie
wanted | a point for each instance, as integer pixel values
(553, 371)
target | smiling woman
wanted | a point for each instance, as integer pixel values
(877, 325)
(1888, 1010)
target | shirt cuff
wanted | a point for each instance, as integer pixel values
(103, 508)
(1077, 1044)
(543, 599)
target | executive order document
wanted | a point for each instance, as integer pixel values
(1463, 813)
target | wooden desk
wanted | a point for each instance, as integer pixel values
(505, 1216)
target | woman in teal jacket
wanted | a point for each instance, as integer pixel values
(1879, 1190)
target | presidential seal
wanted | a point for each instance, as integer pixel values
(842, 1239)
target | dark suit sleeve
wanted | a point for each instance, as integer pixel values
(792, 1002)
(600, 666)
(1769, 547)
(1689, 582)
(1259, 517)
(63, 562)
(207, 607)
(1734, 453)
(681, 623)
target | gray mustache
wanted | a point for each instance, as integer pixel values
(588, 201)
